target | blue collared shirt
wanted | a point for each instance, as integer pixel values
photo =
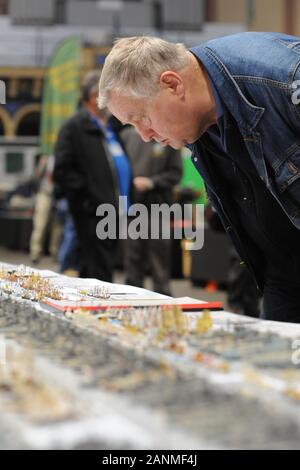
(119, 158)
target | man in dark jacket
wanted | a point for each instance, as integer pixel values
(91, 168)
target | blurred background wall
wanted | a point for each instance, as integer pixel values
(31, 29)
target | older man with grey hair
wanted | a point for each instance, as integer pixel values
(234, 102)
(140, 83)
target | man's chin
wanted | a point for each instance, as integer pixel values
(197, 136)
(176, 146)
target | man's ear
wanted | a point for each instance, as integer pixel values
(173, 81)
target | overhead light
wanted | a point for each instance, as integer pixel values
(112, 5)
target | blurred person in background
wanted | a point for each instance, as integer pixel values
(69, 252)
(235, 102)
(156, 171)
(45, 222)
(91, 168)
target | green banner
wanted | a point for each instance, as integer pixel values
(191, 178)
(61, 91)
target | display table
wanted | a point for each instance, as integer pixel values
(16, 228)
(212, 261)
(141, 379)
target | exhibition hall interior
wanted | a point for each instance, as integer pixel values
(149, 220)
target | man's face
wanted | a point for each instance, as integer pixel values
(165, 118)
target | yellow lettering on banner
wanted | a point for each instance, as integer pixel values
(63, 72)
(60, 79)
(56, 109)
(63, 88)
(66, 65)
(49, 138)
(69, 87)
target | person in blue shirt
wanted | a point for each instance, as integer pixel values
(234, 101)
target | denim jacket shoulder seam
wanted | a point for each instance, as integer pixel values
(270, 36)
(228, 75)
(219, 64)
(254, 78)
(289, 46)
(222, 67)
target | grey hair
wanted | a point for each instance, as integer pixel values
(134, 65)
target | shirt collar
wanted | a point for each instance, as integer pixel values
(218, 101)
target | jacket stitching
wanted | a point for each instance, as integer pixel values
(285, 184)
(261, 80)
(292, 179)
(294, 148)
(224, 70)
(293, 72)
(293, 46)
(296, 107)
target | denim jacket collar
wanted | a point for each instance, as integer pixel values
(245, 113)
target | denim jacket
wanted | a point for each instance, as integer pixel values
(255, 75)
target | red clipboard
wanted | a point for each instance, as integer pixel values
(187, 304)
